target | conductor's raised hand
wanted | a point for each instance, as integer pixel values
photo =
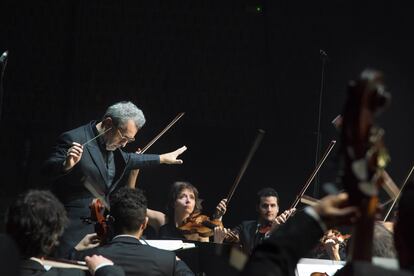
(171, 157)
(73, 156)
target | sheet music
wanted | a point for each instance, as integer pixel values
(306, 266)
(170, 245)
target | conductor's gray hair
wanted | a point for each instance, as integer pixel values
(121, 112)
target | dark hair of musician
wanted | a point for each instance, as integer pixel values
(383, 242)
(129, 210)
(403, 229)
(35, 221)
(175, 191)
(266, 192)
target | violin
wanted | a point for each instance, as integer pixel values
(266, 228)
(336, 236)
(101, 222)
(201, 225)
(331, 244)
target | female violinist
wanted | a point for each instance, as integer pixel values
(184, 219)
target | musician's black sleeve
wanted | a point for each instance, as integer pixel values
(110, 270)
(181, 269)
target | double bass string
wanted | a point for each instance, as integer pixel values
(399, 194)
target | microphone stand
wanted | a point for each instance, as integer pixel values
(324, 58)
(3, 68)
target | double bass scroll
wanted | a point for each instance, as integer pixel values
(364, 156)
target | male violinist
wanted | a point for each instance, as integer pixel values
(127, 248)
(34, 221)
(93, 151)
(251, 233)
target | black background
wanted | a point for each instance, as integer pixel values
(232, 66)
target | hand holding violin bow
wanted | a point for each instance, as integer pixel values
(283, 217)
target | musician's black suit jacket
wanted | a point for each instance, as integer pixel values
(249, 235)
(9, 256)
(69, 186)
(138, 259)
(33, 268)
(279, 254)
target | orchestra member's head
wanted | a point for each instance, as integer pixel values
(183, 201)
(121, 123)
(383, 242)
(403, 229)
(267, 204)
(129, 211)
(35, 221)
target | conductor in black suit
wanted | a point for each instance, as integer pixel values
(93, 152)
(126, 249)
(35, 220)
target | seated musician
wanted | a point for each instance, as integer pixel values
(251, 233)
(35, 221)
(184, 203)
(331, 246)
(279, 254)
(334, 244)
(127, 249)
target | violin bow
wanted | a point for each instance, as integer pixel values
(312, 176)
(308, 200)
(132, 180)
(178, 117)
(399, 194)
(389, 185)
(65, 263)
(249, 157)
(95, 191)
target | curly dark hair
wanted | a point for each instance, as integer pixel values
(129, 210)
(175, 191)
(35, 221)
(266, 192)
